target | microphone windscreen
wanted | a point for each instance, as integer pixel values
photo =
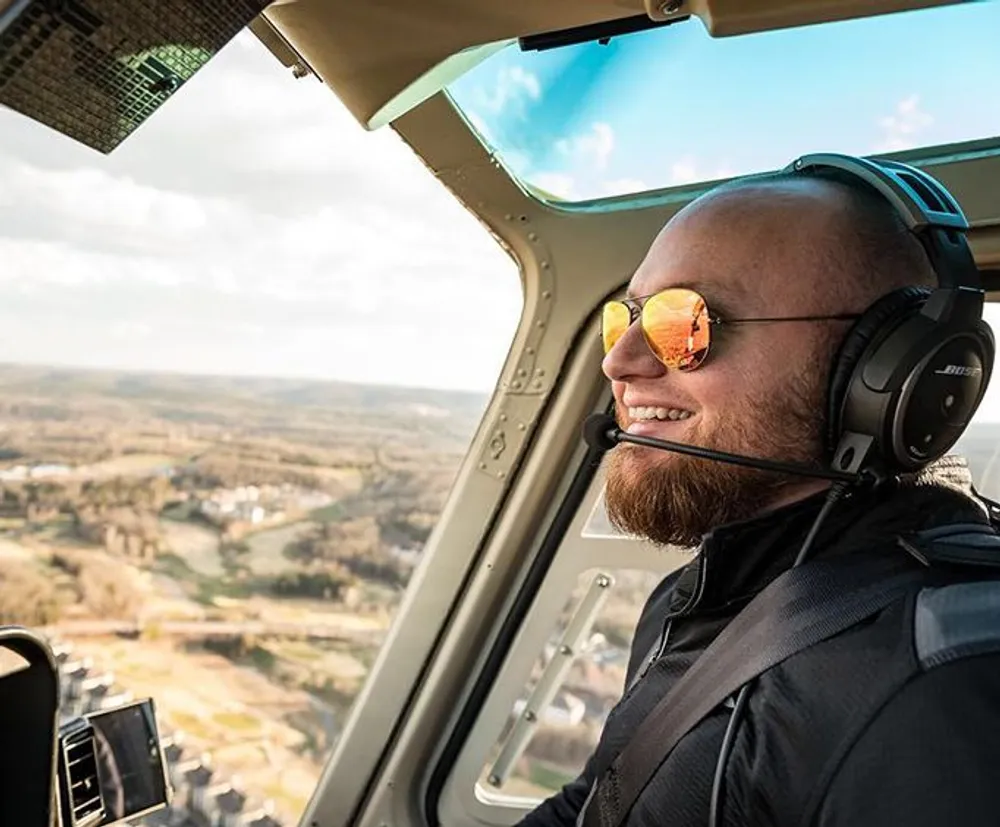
(596, 431)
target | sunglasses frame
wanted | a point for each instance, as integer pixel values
(635, 305)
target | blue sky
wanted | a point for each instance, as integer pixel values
(577, 123)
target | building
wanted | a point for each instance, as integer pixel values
(228, 809)
(566, 710)
(106, 696)
(200, 798)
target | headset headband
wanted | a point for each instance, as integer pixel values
(929, 211)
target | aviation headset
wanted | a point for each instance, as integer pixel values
(913, 369)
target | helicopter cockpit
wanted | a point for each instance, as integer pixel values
(435, 613)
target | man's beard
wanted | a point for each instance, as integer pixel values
(674, 499)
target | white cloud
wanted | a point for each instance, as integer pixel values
(479, 124)
(689, 170)
(251, 226)
(513, 84)
(95, 200)
(557, 184)
(623, 186)
(567, 187)
(589, 169)
(592, 149)
(902, 128)
(683, 172)
(512, 88)
(130, 329)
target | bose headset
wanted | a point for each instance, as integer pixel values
(912, 371)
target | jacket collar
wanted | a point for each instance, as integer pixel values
(737, 560)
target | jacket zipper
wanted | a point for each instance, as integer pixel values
(661, 647)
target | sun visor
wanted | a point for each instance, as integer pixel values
(96, 70)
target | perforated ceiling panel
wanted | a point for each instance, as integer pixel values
(97, 69)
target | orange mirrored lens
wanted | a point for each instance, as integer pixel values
(614, 322)
(676, 326)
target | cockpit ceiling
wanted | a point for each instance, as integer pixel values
(370, 52)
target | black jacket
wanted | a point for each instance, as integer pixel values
(817, 745)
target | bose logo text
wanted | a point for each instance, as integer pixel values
(959, 370)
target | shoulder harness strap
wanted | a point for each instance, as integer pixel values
(967, 545)
(959, 619)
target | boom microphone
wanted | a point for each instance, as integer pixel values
(602, 431)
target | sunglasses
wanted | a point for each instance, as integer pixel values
(677, 325)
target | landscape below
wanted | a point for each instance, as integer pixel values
(236, 548)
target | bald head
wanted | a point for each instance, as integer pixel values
(849, 241)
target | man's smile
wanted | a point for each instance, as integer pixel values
(662, 422)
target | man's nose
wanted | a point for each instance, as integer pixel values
(631, 357)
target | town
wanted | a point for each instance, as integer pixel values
(238, 555)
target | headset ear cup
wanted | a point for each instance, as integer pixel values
(856, 343)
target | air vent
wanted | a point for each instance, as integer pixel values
(96, 70)
(85, 806)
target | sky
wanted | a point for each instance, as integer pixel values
(251, 226)
(674, 106)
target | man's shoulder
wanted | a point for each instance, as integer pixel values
(955, 621)
(955, 680)
(908, 648)
(924, 756)
(928, 627)
(929, 662)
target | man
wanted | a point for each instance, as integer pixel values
(809, 749)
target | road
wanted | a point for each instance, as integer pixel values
(218, 629)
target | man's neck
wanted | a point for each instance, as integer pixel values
(797, 493)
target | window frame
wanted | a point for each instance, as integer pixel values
(454, 795)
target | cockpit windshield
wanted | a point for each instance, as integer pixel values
(673, 106)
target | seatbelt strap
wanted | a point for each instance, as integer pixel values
(992, 507)
(800, 608)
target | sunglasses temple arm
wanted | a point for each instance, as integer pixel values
(838, 317)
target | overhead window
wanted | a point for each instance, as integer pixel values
(674, 106)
